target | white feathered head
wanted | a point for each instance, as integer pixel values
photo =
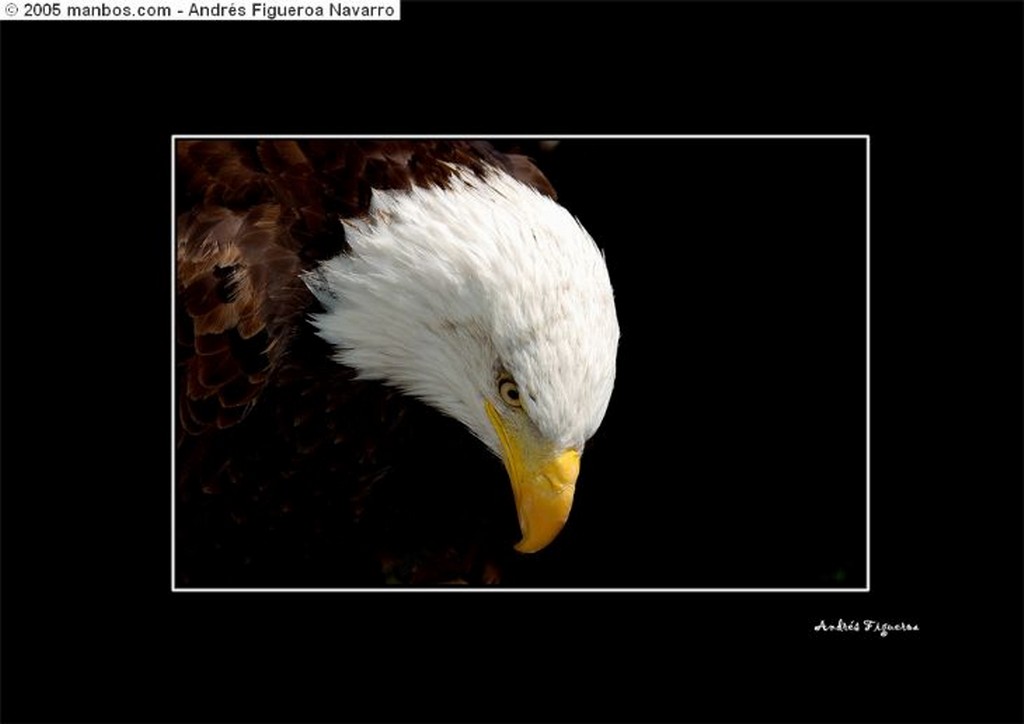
(490, 302)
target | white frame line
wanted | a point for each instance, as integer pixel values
(555, 136)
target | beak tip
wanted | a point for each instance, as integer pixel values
(540, 528)
(529, 547)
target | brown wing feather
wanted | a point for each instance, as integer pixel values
(238, 289)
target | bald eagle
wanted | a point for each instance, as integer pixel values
(339, 304)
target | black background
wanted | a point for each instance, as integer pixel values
(91, 631)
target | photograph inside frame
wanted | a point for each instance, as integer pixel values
(392, 354)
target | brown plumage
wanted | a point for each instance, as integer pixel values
(289, 471)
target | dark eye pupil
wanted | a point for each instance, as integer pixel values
(512, 392)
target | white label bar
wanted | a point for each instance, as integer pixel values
(186, 10)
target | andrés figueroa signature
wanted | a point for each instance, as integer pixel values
(867, 625)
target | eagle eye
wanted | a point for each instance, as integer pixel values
(509, 392)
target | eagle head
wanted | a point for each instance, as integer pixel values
(489, 301)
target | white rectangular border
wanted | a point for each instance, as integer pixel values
(552, 137)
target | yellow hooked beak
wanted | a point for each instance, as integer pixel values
(543, 484)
